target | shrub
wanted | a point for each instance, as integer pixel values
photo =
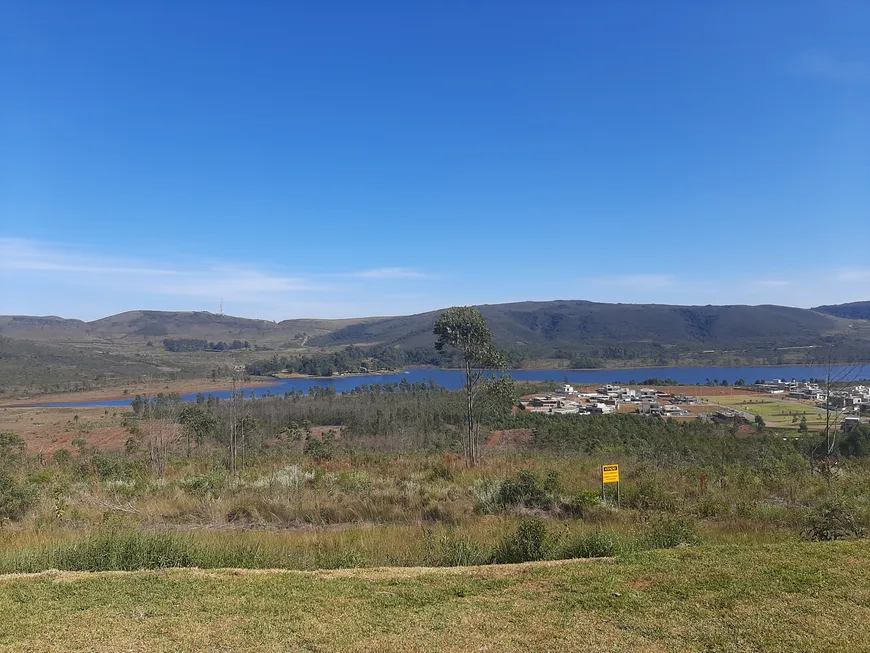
(670, 532)
(596, 544)
(356, 482)
(486, 493)
(15, 498)
(833, 519)
(320, 450)
(526, 490)
(649, 495)
(709, 505)
(857, 443)
(11, 449)
(243, 514)
(451, 550)
(203, 485)
(440, 472)
(583, 503)
(528, 543)
(62, 457)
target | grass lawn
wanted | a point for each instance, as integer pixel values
(795, 597)
(774, 411)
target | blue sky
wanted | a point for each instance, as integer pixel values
(343, 158)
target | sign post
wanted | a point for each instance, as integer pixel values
(610, 474)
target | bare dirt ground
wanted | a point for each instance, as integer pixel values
(510, 438)
(48, 429)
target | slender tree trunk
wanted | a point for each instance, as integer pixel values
(470, 444)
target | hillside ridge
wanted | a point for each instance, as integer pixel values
(557, 328)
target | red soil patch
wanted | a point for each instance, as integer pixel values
(641, 583)
(510, 438)
(48, 429)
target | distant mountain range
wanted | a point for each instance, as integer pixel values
(578, 331)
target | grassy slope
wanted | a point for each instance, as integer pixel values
(568, 323)
(806, 597)
(551, 324)
(39, 365)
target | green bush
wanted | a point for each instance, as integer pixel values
(670, 532)
(15, 498)
(583, 503)
(486, 493)
(203, 485)
(62, 457)
(856, 443)
(649, 495)
(440, 472)
(597, 544)
(526, 489)
(320, 450)
(834, 519)
(709, 505)
(11, 449)
(453, 550)
(528, 543)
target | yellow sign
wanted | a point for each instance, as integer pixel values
(610, 473)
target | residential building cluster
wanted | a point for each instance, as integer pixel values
(608, 399)
(848, 399)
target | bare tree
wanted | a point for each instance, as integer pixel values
(837, 378)
(237, 421)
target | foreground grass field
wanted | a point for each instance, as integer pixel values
(794, 597)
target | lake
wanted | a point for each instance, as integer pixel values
(452, 379)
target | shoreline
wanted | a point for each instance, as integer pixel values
(114, 394)
(190, 386)
(669, 367)
(287, 376)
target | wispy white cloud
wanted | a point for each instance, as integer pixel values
(231, 283)
(39, 279)
(824, 66)
(27, 255)
(203, 281)
(261, 292)
(389, 273)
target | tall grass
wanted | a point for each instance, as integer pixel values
(126, 547)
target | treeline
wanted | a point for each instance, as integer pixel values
(425, 417)
(196, 344)
(591, 356)
(349, 359)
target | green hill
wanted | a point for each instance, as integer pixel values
(852, 311)
(573, 331)
(28, 366)
(570, 329)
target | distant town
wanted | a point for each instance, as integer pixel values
(850, 402)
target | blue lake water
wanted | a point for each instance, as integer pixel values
(452, 379)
